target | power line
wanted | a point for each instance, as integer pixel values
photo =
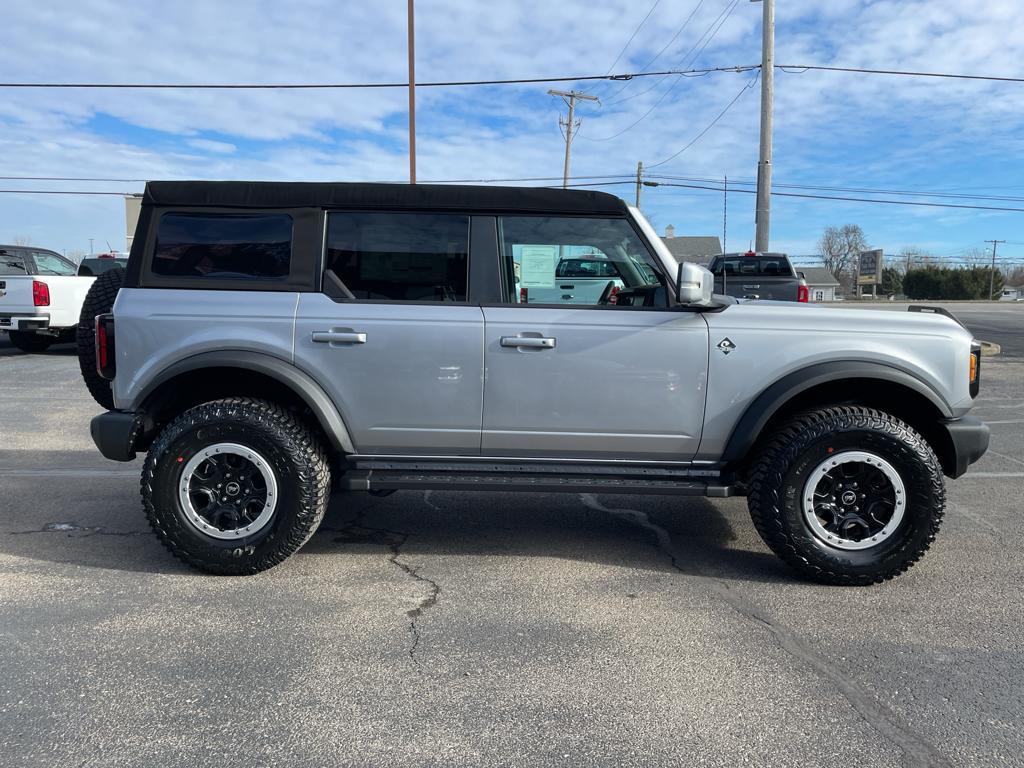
(803, 68)
(678, 32)
(791, 68)
(857, 190)
(638, 27)
(723, 17)
(712, 30)
(845, 199)
(712, 124)
(432, 84)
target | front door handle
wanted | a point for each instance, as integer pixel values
(339, 337)
(532, 342)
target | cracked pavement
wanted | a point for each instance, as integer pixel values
(492, 629)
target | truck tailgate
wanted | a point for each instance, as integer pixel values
(759, 287)
(15, 298)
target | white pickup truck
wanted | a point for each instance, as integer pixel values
(41, 296)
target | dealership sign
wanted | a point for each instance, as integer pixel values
(869, 267)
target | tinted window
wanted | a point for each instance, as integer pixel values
(11, 264)
(586, 268)
(398, 256)
(578, 260)
(760, 266)
(224, 246)
(52, 264)
(93, 267)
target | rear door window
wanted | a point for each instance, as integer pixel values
(12, 264)
(397, 256)
(223, 246)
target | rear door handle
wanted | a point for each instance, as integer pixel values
(533, 342)
(339, 337)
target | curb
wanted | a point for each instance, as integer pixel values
(990, 349)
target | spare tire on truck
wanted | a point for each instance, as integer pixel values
(98, 301)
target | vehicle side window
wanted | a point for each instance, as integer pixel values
(576, 260)
(10, 264)
(51, 264)
(223, 246)
(397, 256)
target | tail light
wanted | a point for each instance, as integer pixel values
(975, 381)
(803, 293)
(613, 297)
(106, 361)
(40, 294)
(523, 296)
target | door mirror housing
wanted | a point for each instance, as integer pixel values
(694, 285)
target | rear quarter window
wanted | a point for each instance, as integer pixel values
(223, 246)
(12, 265)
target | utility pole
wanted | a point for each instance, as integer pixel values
(992, 274)
(412, 94)
(725, 212)
(569, 97)
(90, 246)
(764, 163)
(639, 180)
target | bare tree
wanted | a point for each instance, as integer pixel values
(840, 247)
(977, 257)
(22, 240)
(911, 257)
(76, 255)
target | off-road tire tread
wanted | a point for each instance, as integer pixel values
(784, 448)
(98, 301)
(295, 438)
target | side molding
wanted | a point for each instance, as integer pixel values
(274, 367)
(749, 427)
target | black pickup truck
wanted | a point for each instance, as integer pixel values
(750, 275)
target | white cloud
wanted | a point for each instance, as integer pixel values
(830, 128)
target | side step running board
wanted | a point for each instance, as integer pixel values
(398, 480)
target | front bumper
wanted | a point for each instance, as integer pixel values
(969, 438)
(116, 432)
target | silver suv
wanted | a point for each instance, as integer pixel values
(272, 342)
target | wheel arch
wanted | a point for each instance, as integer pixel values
(212, 375)
(852, 382)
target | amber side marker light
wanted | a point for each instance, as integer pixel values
(975, 380)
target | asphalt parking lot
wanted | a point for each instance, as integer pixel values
(473, 629)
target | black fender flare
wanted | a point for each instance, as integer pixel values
(297, 380)
(767, 404)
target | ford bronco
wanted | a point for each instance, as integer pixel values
(273, 342)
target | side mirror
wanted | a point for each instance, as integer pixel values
(694, 285)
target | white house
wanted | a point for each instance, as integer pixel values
(821, 283)
(1012, 293)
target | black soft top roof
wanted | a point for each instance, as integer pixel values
(286, 194)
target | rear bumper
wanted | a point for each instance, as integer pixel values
(20, 322)
(115, 434)
(969, 437)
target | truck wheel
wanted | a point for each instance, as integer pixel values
(27, 341)
(847, 495)
(98, 301)
(235, 486)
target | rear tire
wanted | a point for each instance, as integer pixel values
(235, 486)
(98, 301)
(27, 341)
(847, 495)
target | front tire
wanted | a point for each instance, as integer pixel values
(847, 495)
(27, 341)
(235, 486)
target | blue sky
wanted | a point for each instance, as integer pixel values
(832, 129)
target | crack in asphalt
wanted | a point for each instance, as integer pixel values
(71, 528)
(394, 540)
(918, 753)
